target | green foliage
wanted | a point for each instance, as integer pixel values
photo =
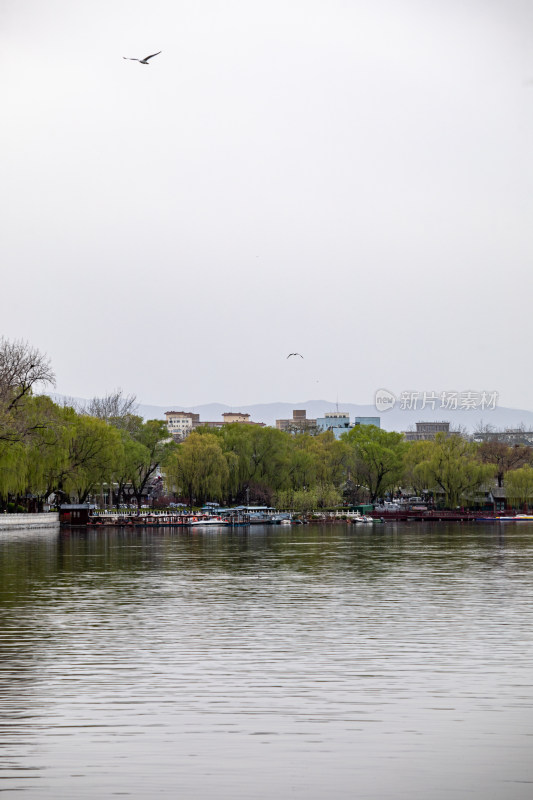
(93, 455)
(375, 458)
(317, 459)
(13, 468)
(519, 485)
(197, 468)
(503, 457)
(309, 499)
(151, 449)
(416, 453)
(452, 467)
(254, 455)
(46, 448)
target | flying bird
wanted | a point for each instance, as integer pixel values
(295, 354)
(142, 60)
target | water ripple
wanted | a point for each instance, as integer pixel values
(305, 663)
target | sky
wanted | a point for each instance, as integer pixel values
(347, 179)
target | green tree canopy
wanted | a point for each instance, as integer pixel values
(84, 458)
(255, 455)
(503, 457)
(375, 458)
(453, 468)
(197, 468)
(143, 461)
(519, 485)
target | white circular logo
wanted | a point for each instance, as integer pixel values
(384, 400)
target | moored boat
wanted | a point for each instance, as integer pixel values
(197, 522)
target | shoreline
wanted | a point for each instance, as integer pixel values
(13, 522)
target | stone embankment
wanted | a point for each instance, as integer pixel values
(19, 522)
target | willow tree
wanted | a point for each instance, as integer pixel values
(317, 461)
(302, 462)
(257, 457)
(93, 454)
(197, 468)
(333, 458)
(36, 439)
(48, 448)
(375, 458)
(519, 486)
(504, 457)
(23, 417)
(305, 500)
(453, 468)
(235, 442)
(132, 458)
(155, 447)
(268, 458)
(82, 458)
(414, 479)
(13, 469)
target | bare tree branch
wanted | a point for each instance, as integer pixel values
(114, 405)
(22, 367)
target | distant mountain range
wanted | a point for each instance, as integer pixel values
(393, 420)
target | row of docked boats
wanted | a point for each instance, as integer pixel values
(186, 520)
(158, 521)
(202, 520)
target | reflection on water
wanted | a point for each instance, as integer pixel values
(313, 662)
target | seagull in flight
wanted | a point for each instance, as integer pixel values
(295, 354)
(142, 60)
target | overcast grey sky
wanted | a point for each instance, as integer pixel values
(349, 179)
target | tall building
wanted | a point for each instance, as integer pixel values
(510, 436)
(338, 422)
(428, 431)
(298, 424)
(333, 419)
(235, 416)
(368, 421)
(181, 423)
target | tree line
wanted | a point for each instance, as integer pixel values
(305, 471)
(70, 453)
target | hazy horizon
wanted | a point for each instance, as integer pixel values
(348, 180)
(397, 418)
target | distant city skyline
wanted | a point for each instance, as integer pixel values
(397, 419)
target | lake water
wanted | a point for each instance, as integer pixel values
(388, 661)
